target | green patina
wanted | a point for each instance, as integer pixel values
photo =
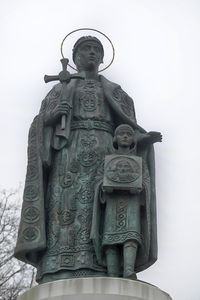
(71, 226)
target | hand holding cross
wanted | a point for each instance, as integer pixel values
(64, 77)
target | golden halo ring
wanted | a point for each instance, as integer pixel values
(80, 29)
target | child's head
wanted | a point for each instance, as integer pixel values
(124, 136)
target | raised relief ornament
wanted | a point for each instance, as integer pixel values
(122, 172)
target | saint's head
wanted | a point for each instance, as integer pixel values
(88, 53)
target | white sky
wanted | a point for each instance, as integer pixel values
(157, 62)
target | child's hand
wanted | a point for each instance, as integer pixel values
(154, 136)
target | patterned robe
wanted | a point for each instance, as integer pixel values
(61, 222)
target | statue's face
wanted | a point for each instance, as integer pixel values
(124, 137)
(89, 56)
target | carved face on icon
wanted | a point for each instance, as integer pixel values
(123, 168)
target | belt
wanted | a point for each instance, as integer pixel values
(90, 124)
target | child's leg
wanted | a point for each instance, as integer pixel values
(129, 253)
(112, 261)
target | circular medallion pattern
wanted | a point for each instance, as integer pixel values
(88, 157)
(31, 214)
(67, 180)
(31, 172)
(30, 234)
(67, 217)
(30, 192)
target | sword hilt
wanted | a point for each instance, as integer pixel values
(64, 62)
(48, 78)
(64, 77)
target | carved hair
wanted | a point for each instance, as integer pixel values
(86, 39)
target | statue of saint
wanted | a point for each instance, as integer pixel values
(62, 221)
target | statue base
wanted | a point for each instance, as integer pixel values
(95, 288)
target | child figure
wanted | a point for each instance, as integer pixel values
(123, 239)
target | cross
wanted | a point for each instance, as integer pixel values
(64, 77)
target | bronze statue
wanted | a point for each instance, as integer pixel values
(64, 218)
(126, 197)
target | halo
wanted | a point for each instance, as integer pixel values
(80, 29)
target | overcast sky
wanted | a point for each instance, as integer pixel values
(157, 63)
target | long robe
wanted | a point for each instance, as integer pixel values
(51, 209)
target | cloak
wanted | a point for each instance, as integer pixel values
(42, 141)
